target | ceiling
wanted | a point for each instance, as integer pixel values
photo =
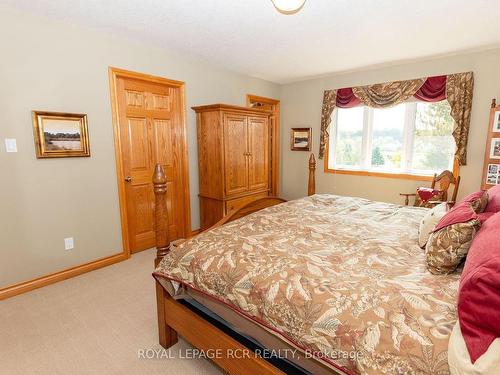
(327, 36)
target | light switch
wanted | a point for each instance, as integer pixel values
(10, 145)
(69, 243)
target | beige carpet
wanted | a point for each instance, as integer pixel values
(92, 324)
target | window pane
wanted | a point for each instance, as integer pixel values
(387, 142)
(349, 137)
(434, 145)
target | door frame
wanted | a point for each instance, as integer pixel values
(114, 74)
(275, 134)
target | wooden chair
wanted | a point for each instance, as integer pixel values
(442, 183)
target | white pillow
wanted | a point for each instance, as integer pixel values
(430, 220)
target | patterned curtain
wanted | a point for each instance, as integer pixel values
(383, 95)
(329, 102)
(459, 95)
(456, 88)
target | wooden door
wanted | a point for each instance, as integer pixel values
(151, 127)
(258, 153)
(235, 153)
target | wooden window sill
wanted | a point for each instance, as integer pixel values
(403, 176)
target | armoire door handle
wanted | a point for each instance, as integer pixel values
(128, 179)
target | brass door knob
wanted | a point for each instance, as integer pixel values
(128, 179)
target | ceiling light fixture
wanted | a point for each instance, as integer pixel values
(288, 6)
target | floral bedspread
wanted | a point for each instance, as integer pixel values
(332, 275)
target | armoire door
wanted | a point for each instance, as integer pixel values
(235, 153)
(150, 117)
(258, 155)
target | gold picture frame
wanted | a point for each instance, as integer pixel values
(60, 135)
(301, 139)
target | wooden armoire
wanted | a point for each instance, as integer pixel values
(234, 158)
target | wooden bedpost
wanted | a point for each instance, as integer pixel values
(161, 216)
(311, 186)
(167, 336)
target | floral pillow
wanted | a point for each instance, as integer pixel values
(448, 246)
(451, 238)
(480, 205)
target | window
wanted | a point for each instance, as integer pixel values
(413, 138)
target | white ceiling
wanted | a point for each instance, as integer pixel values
(249, 36)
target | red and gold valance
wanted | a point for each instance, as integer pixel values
(455, 88)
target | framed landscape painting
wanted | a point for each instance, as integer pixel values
(301, 139)
(60, 135)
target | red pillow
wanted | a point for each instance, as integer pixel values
(472, 197)
(485, 216)
(494, 199)
(461, 213)
(479, 292)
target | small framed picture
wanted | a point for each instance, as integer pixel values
(493, 168)
(493, 174)
(491, 179)
(496, 122)
(60, 135)
(495, 148)
(301, 139)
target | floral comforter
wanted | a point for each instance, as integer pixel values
(332, 275)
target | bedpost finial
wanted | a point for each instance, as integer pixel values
(159, 177)
(493, 103)
(161, 214)
(312, 161)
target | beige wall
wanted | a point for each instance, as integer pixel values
(52, 66)
(301, 107)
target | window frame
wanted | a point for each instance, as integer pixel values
(408, 139)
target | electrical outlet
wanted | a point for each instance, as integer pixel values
(69, 243)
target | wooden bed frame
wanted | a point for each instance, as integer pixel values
(176, 319)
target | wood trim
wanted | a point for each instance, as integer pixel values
(185, 166)
(230, 108)
(145, 77)
(114, 74)
(275, 146)
(403, 176)
(261, 99)
(52, 278)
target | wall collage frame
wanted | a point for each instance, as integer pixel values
(491, 169)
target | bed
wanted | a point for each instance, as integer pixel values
(339, 280)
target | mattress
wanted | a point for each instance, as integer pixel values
(329, 275)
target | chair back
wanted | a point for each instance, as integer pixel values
(443, 183)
